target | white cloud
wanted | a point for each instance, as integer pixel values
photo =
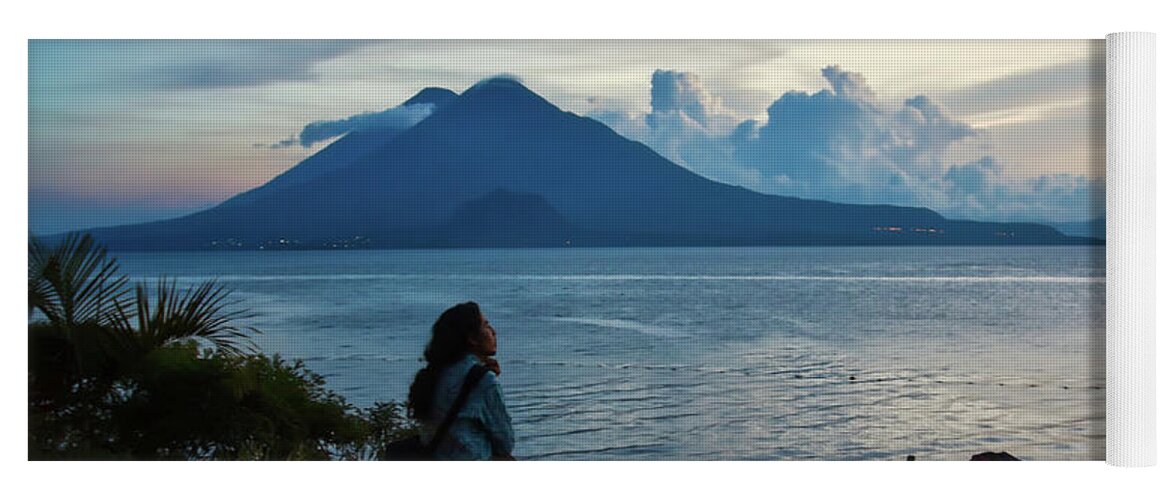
(843, 144)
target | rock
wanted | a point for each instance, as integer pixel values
(992, 456)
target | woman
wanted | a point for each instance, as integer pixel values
(482, 430)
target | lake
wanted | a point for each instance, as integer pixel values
(714, 353)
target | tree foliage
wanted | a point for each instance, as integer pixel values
(168, 374)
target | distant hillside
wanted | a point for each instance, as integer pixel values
(1092, 228)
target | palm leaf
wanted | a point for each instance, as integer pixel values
(75, 283)
(202, 313)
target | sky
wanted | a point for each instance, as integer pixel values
(132, 131)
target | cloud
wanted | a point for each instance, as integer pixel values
(398, 117)
(843, 144)
(813, 141)
(847, 84)
(497, 79)
(73, 67)
(928, 126)
(246, 63)
(975, 177)
(285, 143)
(1080, 77)
(980, 190)
(687, 125)
(509, 77)
(674, 91)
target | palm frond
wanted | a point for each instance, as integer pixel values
(40, 293)
(203, 312)
(74, 283)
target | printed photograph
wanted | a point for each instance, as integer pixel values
(566, 250)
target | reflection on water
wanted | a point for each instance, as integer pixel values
(756, 353)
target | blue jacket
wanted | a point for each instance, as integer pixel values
(482, 429)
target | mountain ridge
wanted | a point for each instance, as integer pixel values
(399, 188)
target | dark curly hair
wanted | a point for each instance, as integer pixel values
(449, 343)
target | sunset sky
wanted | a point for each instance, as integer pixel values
(131, 131)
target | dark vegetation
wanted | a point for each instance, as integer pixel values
(120, 372)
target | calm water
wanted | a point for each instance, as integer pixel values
(715, 353)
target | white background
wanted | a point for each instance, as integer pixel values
(517, 19)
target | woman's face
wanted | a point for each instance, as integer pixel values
(484, 344)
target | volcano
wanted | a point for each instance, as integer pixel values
(498, 165)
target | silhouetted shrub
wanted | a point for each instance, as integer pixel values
(116, 375)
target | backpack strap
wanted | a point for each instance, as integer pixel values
(474, 375)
